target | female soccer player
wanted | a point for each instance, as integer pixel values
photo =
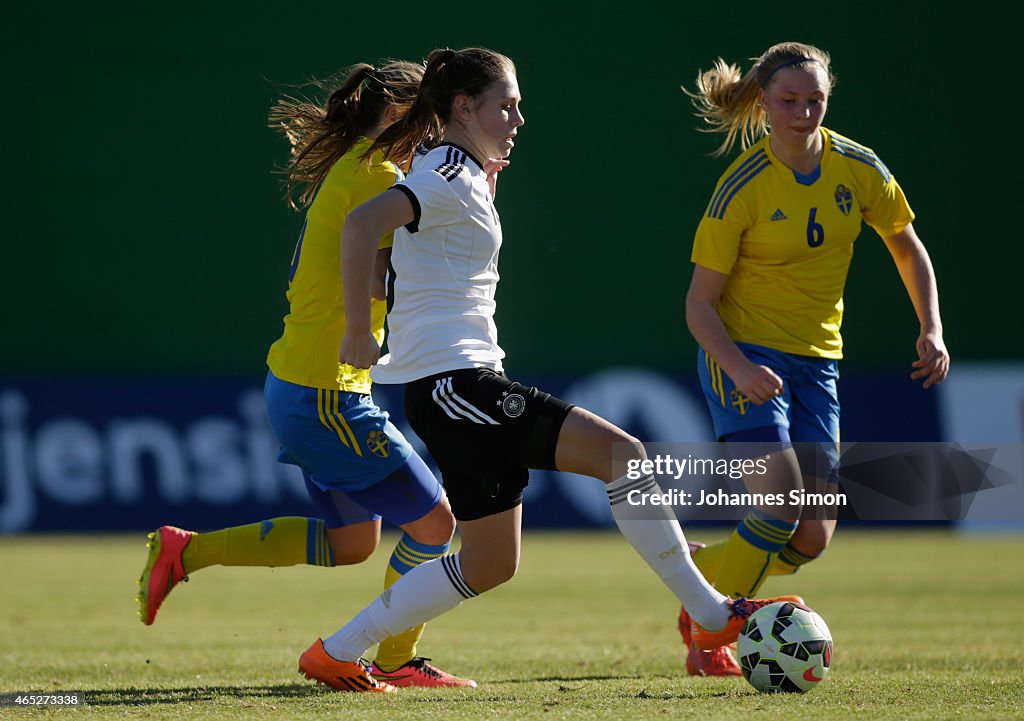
(356, 464)
(765, 301)
(484, 430)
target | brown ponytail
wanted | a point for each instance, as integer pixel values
(448, 73)
(320, 134)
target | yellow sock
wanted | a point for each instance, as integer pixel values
(750, 552)
(709, 560)
(399, 649)
(285, 541)
(788, 561)
(781, 568)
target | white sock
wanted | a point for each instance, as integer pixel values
(423, 593)
(656, 535)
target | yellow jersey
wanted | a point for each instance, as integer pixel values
(307, 353)
(786, 241)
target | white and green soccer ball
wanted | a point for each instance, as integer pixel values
(785, 646)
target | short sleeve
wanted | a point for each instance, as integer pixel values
(882, 203)
(716, 245)
(437, 199)
(886, 208)
(378, 179)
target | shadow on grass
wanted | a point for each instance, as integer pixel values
(564, 679)
(571, 684)
(133, 696)
(592, 677)
(153, 696)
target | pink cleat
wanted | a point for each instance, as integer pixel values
(163, 570)
(418, 672)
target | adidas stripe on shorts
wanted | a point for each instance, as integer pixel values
(484, 431)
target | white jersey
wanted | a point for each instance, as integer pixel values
(444, 272)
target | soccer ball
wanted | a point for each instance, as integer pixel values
(785, 646)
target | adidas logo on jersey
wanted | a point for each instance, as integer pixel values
(779, 215)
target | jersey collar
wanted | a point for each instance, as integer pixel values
(826, 152)
(461, 149)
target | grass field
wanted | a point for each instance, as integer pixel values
(926, 626)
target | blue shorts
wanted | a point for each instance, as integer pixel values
(406, 495)
(808, 406)
(357, 465)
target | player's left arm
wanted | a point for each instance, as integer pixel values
(915, 268)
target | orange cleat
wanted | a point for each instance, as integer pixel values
(740, 610)
(684, 626)
(418, 672)
(684, 617)
(316, 665)
(717, 662)
(163, 570)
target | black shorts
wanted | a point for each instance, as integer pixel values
(485, 432)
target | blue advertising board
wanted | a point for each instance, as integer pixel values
(116, 455)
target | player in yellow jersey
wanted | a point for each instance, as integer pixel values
(765, 302)
(357, 465)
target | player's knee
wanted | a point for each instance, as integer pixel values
(506, 571)
(354, 551)
(627, 453)
(812, 538)
(497, 572)
(436, 528)
(817, 544)
(438, 532)
(629, 448)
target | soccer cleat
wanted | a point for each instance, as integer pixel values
(163, 570)
(740, 610)
(684, 617)
(717, 662)
(684, 626)
(418, 672)
(316, 665)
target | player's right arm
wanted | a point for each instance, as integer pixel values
(759, 383)
(359, 239)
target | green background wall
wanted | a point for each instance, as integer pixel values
(143, 231)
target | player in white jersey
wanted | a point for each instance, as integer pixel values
(484, 430)
(444, 274)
